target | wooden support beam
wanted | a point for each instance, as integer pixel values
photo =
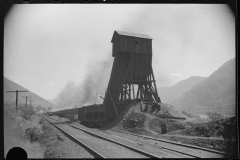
(152, 92)
(136, 66)
(155, 95)
(155, 85)
(141, 66)
(132, 81)
(123, 81)
(137, 92)
(113, 104)
(129, 90)
(111, 75)
(138, 81)
(145, 92)
(125, 94)
(141, 90)
(146, 66)
(122, 94)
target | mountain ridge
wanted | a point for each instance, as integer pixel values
(168, 94)
(11, 86)
(217, 93)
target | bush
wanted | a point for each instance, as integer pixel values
(34, 133)
(26, 113)
(38, 108)
(41, 121)
(214, 116)
(210, 129)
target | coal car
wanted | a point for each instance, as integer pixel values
(92, 116)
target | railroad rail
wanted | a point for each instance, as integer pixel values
(150, 155)
(174, 143)
(172, 150)
(92, 151)
(186, 152)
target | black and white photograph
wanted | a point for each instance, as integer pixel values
(133, 80)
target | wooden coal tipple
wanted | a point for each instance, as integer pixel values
(132, 77)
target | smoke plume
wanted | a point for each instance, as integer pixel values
(97, 75)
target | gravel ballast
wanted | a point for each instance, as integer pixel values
(57, 145)
(105, 148)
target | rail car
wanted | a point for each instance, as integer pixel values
(65, 113)
(90, 116)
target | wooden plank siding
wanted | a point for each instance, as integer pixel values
(137, 46)
(150, 46)
(121, 44)
(140, 54)
(128, 44)
(114, 45)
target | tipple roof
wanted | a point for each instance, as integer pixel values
(145, 36)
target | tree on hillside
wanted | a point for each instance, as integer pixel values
(213, 116)
(44, 109)
(38, 108)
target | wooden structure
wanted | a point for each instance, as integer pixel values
(132, 74)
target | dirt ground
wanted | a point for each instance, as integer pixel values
(57, 145)
(15, 137)
(138, 122)
(52, 144)
(211, 143)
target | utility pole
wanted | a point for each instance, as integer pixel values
(30, 104)
(16, 96)
(26, 100)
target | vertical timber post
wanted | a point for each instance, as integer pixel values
(16, 96)
(16, 99)
(26, 102)
(113, 103)
(155, 87)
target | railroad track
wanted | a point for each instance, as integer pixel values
(200, 149)
(94, 151)
(188, 151)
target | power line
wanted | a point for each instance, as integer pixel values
(214, 58)
(196, 36)
(205, 39)
(196, 67)
(9, 67)
(207, 64)
(194, 46)
(197, 44)
(211, 9)
(13, 58)
(16, 45)
(16, 96)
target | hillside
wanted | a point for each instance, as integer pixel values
(168, 94)
(11, 86)
(216, 93)
(52, 101)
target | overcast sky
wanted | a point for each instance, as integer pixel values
(49, 46)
